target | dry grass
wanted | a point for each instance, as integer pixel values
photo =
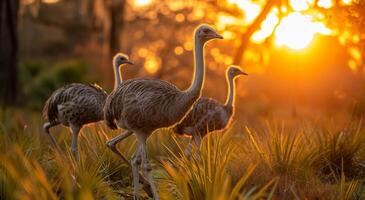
(273, 162)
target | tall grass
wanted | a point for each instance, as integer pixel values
(273, 162)
(206, 175)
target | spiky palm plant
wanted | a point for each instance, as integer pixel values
(206, 174)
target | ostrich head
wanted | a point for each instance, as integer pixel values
(235, 71)
(120, 59)
(204, 33)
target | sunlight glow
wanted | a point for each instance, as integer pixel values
(50, 1)
(179, 17)
(228, 35)
(347, 2)
(325, 3)
(296, 31)
(141, 3)
(352, 65)
(267, 27)
(188, 46)
(356, 58)
(179, 50)
(300, 5)
(224, 20)
(152, 64)
(250, 9)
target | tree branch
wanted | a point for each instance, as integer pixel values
(245, 39)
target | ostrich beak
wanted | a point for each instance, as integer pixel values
(214, 36)
(217, 36)
(243, 73)
(130, 62)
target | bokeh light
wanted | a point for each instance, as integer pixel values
(141, 3)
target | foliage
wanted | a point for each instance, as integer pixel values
(268, 162)
(206, 174)
(39, 80)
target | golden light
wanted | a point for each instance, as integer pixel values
(356, 58)
(267, 27)
(224, 20)
(300, 5)
(352, 65)
(188, 46)
(325, 3)
(152, 64)
(347, 2)
(250, 9)
(179, 17)
(356, 38)
(50, 1)
(355, 53)
(141, 3)
(215, 52)
(179, 50)
(142, 52)
(228, 60)
(296, 31)
(227, 35)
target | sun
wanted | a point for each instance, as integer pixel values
(296, 31)
(141, 3)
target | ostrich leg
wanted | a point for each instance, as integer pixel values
(188, 148)
(111, 145)
(146, 167)
(46, 128)
(135, 162)
(75, 134)
(197, 140)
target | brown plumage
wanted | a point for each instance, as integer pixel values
(208, 114)
(76, 105)
(143, 105)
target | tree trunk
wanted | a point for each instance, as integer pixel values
(245, 39)
(116, 25)
(8, 50)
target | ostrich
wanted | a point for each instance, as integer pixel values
(76, 105)
(143, 105)
(208, 114)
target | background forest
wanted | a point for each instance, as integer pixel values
(298, 131)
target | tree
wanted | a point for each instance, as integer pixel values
(246, 36)
(8, 50)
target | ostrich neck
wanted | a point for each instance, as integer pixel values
(197, 83)
(118, 76)
(231, 91)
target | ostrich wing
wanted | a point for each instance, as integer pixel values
(201, 108)
(77, 93)
(145, 104)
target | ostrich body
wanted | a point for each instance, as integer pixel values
(143, 105)
(208, 114)
(76, 105)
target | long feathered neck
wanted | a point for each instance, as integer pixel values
(231, 91)
(117, 74)
(196, 86)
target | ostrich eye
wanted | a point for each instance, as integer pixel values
(206, 31)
